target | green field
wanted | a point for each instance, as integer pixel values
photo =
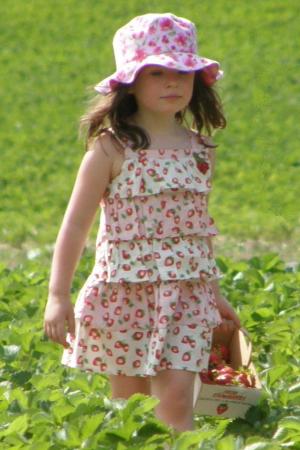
(52, 54)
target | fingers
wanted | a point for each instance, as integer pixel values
(56, 333)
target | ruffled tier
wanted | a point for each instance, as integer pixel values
(148, 174)
(180, 258)
(156, 216)
(120, 353)
(141, 328)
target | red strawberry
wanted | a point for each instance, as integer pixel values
(110, 322)
(222, 408)
(242, 379)
(139, 313)
(118, 344)
(125, 254)
(177, 315)
(186, 356)
(96, 361)
(164, 319)
(169, 261)
(118, 310)
(206, 376)
(137, 363)
(137, 336)
(141, 273)
(87, 320)
(203, 167)
(120, 360)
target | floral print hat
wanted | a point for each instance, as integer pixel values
(161, 39)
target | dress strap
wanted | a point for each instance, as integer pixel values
(205, 141)
(122, 143)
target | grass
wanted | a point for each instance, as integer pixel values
(52, 52)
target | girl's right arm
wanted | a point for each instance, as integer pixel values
(92, 179)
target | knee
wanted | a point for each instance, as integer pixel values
(177, 398)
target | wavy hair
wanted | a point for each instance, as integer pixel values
(115, 109)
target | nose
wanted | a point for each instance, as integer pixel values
(172, 78)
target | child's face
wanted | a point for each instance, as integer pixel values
(161, 90)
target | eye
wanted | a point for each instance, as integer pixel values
(156, 73)
(183, 72)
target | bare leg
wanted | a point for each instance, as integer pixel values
(123, 386)
(174, 388)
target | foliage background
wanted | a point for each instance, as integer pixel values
(53, 53)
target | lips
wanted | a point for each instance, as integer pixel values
(171, 96)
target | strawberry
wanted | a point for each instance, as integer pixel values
(120, 360)
(137, 336)
(186, 356)
(203, 167)
(221, 408)
(96, 361)
(169, 261)
(242, 379)
(139, 313)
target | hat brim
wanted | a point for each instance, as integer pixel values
(188, 62)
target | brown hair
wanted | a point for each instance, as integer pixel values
(114, 110)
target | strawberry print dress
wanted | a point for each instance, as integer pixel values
(148, 305)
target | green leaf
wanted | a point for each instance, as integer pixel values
(189, 438)
(10, 352)
(261, 445)
(276, 373)
(90, 424)
(226, 443)
(290, 422)
(19, 425)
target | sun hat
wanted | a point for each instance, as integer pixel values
(160, 39)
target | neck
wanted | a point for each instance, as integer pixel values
(158, 125)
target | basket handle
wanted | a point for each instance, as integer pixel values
(249, 343)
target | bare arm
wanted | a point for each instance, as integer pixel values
(92, 179)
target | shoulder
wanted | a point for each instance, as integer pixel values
(207, 141)
(105, 145)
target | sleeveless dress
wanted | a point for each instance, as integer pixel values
(147, 305)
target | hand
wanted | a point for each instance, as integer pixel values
(228, 314)
(58, 311)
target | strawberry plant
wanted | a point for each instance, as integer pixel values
(45, 405)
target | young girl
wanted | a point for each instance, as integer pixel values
(146, 314)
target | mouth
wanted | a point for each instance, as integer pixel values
(171, 96)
